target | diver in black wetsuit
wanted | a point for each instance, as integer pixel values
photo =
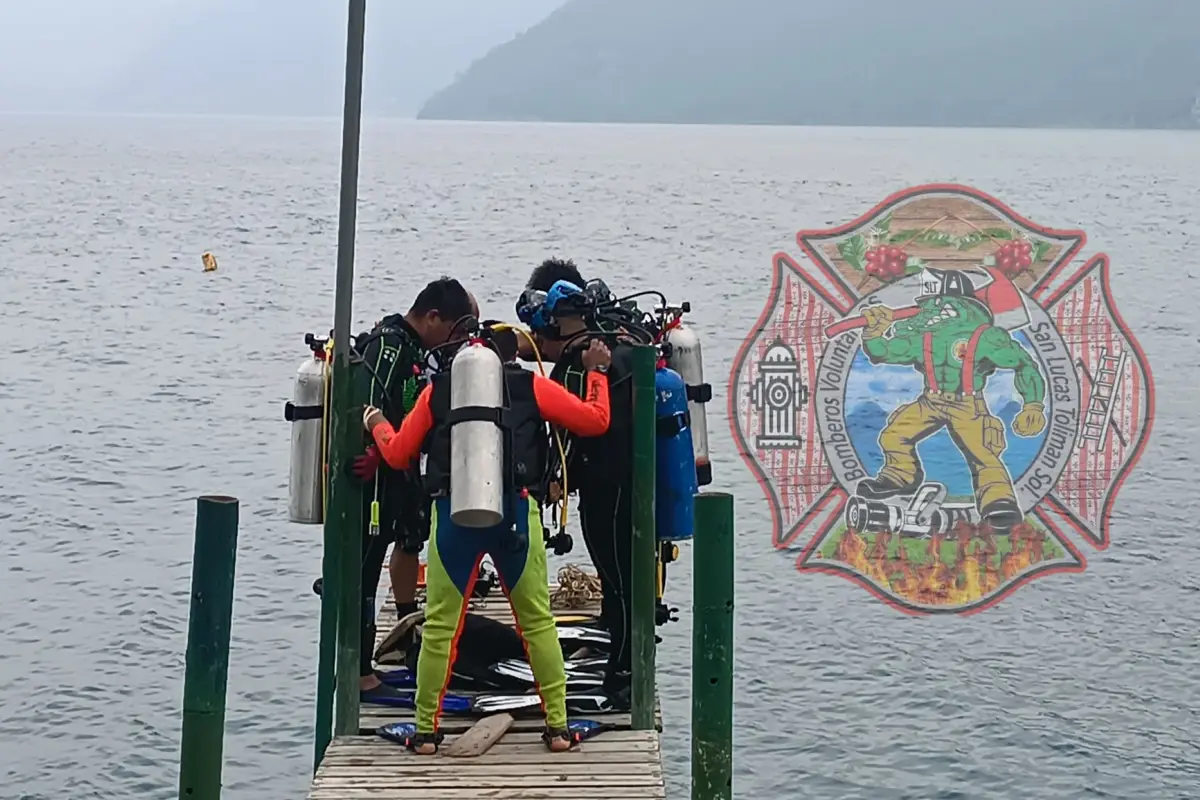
(601, 468)
(395, 352)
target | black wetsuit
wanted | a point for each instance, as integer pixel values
(392, 378)
(601, 469)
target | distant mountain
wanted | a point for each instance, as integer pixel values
(283, 57)
(1021, 63)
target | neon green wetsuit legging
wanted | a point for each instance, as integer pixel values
(519, 555)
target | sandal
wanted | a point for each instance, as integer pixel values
(419, 740)
(550, 735)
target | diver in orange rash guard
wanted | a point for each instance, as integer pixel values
(516, 545)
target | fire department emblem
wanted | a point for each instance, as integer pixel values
(943, 405)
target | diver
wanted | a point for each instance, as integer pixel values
(600, 467)
(515, 546)
(395, 353)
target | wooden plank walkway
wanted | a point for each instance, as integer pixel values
(616, 765)
(619, 765)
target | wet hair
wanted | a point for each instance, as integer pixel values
(506, 344)
(553, 270)
(446, 296)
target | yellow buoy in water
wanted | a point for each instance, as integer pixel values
(209, 261)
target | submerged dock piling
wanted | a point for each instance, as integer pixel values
(206, 675)
(645, 545)
(712, 648)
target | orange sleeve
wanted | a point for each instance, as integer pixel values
(399, 448)
(587, 417)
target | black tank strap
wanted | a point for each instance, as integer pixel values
(294, 413)
(477, 414)
(673, 425)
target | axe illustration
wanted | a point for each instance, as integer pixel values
(1001, 296)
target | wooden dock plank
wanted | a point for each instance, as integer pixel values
(618, 765)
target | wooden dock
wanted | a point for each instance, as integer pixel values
(617, 765)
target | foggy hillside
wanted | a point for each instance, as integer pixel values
(1085, 63)
(243, 56)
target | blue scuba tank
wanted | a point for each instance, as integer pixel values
(676, 486)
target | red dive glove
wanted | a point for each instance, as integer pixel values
(366, 465)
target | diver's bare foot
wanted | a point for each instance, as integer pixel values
(424, 744)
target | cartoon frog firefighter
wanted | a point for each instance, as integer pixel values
(954, 343)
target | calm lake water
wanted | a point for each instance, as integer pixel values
(132, 382)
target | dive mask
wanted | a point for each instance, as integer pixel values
(537, 309)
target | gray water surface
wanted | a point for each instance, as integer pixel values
(130, 382)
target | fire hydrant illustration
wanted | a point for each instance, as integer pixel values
(779, 394)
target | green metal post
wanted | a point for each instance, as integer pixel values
(344, 513)
(213, 560)
(712, 648)
(327, 653)
(645, 577)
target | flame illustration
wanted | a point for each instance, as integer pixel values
(972, 574)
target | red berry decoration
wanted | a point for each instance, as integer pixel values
(1025, 255)
(1013, 258)
(886, 262)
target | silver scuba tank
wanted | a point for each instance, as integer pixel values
(306, 473)
(476, 445)
(685, 358)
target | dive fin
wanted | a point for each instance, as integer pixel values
(491, 704)
(400, 678)
(584, 729)
(589, 704)
(582, 634)
(398, 638)
(395, 698)
(398, 732)
(389, 696)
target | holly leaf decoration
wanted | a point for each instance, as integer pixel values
(1040, 248)
(885, 225)
(1000, 233)
(969, 240)
(935, 239)
(913, 266)
(853, 250)
(903, 237)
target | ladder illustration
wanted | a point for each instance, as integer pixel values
(1098, 418)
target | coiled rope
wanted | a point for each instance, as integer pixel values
(576, 589)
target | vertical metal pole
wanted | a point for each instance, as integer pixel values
(712, 648)
(645, 566)
(345, 502)
(213, 561)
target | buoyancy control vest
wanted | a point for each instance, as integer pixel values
(525, 435)
(609, 457)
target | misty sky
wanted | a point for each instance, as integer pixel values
(240, 56)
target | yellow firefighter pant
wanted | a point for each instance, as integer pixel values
(978, 435)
